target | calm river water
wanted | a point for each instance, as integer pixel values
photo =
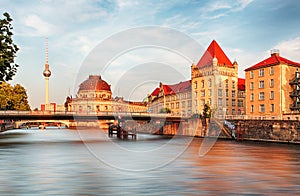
(87, 162)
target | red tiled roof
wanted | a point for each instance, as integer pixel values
(177, 88)
(155, 92)
(214, 50)
(241, 84)
(275, 59)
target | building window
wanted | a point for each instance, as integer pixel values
(262, 84)
(233, 84)
(220, 83)
(183, 104)
(261, 96)
(261, 72)
(189, 103)
(233, 102)
(227, 102)
(203, 102)
(196, 94)
(202, 93)
(220, 102)
(272, 95)
(261, 108)
(233, 111)
(220, 92)
(177, 105)
(226, 83)
(272, 107)
(202, 83)
(172, 105)
(252, 108)
(271, 70)
(233, 94)
(240, 103)
(210, 83)
(226, 93)
(251, 85)
(251, 74)
(252, 97)
(272, 83)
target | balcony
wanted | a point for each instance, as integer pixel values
(295, 93)
(294, 81)
(295, 106)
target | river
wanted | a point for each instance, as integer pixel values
(87, 162)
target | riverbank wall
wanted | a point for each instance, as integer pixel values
(281, 131)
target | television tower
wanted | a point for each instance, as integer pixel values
(47, 74)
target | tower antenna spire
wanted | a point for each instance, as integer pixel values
(46, 50)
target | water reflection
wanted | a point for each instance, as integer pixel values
(59, 161)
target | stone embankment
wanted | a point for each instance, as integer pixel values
(285, 131)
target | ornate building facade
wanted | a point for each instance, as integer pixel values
(175, 98)
(215, 82)
(94, 95)
(272, 87)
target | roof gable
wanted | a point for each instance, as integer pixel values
(274, 59)
(177, 88)
(214, 50)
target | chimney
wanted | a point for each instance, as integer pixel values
(275, 52)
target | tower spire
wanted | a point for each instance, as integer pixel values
(47, 74)
(46, 50)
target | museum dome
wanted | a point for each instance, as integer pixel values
(94, 83)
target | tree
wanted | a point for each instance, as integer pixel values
(13, 97)
(206, 111)
(8, 49)
(20, 98)
(165, 110)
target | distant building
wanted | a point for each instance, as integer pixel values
(94, 95)
(175, 98)
(215, 82)
(272, 87)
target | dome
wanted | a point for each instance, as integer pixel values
(94, 83)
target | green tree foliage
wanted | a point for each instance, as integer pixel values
(206, 111)
(8, 49)
(165, 110)
(13, 97)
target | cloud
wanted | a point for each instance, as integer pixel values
(218, 9)
(39, 27)
(289, 48)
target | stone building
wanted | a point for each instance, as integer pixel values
(272, 87)
(94, 95)
(215, 82)
(176, 98)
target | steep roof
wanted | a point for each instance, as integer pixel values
(214, 50)
(274, 59)
(241, 84)
(155, 92)
(177, 88)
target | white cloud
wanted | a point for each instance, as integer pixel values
(39, 27)
(220, 8)
(290, 49)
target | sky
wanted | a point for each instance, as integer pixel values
(134, 44)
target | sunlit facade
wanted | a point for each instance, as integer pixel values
(272, 87)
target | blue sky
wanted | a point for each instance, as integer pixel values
(246, 30)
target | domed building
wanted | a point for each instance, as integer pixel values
(94, 95)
